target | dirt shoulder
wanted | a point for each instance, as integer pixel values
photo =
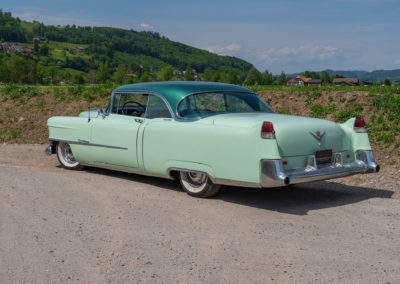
(100, 226)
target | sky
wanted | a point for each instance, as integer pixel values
(280, 35)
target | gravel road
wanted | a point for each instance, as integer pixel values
(100, 226)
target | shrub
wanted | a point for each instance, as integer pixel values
(345, 114)
(284, 111)
(317, 111)
(329, 109)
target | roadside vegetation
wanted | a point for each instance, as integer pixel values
(24, 109)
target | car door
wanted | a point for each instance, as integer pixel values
(114, 137)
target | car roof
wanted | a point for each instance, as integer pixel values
(174, 91)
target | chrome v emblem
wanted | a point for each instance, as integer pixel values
(318, 135)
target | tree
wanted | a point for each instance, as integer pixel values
(67, 76)
(232, 77)
(253, 77)
(208, 74)
(53, 71)
(267, 78)
(324, 75)
(44, 50)
(36, 46)
(119, 75)
(387, 82)
(282, 78)
(219, 76)
(189, 74)
(39, 73)
(91, 76)
(103, 72)
(167, 73)
(78, 79)
(145, 77)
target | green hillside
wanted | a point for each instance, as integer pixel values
(35, 48)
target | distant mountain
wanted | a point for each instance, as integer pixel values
(85, 48)
(364, 76)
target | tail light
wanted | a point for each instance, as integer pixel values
(359, 125)
(267, 130)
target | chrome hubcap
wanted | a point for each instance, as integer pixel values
(67, 153)
(196, 179)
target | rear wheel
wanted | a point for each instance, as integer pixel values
(198, 184)
(66, 158)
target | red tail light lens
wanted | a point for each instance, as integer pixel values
(267, 130)
(359, 125)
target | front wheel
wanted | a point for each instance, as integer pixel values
(66, 158)
(198, 184)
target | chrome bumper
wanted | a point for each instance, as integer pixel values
(274, 175)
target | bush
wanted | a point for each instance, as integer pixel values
(317, 111)
(345, 114)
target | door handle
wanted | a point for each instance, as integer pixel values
(138, 120)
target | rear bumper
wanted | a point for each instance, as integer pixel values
(274, 175)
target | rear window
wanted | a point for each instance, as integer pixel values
(206, 104)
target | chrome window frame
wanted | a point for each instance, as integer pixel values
(207, 92)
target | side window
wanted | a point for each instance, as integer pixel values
(156, 108)
(130, 104)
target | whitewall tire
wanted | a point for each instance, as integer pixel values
(198, 184)
(66, 158)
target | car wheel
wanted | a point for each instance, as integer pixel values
(198, 184)
(66, 158)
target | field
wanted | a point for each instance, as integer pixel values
(24, 109)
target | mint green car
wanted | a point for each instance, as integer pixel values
(208, 135)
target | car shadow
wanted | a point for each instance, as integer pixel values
(302, 198)
(297, 199)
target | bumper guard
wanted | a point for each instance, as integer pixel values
(274, 175)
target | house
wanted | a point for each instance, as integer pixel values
(79, 49)
(300, 80)
(315, 82)
(39, 39)
(346, 81)
(292, 82)
(36, 22)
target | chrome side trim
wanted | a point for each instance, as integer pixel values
(273, 173)
(86, 143)
(125, 170)
(239, 183)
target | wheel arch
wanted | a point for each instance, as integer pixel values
(174, 167)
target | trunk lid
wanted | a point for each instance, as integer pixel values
(295, 135)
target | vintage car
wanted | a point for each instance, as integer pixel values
(208, 135)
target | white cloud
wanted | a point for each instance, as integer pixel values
(306, 52)
(145, 26)
(223, 50)
(233, 47)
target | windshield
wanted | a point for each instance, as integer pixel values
(206, 104)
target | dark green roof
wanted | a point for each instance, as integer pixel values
(173, 92)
